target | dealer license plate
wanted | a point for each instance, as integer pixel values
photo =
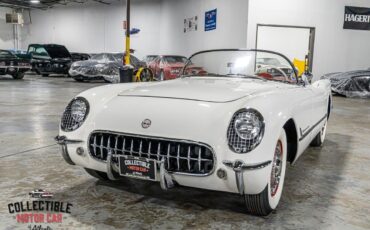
(138, 167)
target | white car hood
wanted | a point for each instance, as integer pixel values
(209, 89)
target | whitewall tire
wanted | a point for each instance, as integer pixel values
(264, 203)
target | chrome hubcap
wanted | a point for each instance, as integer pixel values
(277, 166)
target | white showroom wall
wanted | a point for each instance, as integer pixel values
(335, 49)
(231, 28)
(6, 30)
(94, 28)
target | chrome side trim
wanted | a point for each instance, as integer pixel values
(303, 135)
(163, 139)
(239, 167)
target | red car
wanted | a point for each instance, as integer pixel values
(167, 66)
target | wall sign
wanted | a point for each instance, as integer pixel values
(356, 18)
(210, 20)
(191, 24)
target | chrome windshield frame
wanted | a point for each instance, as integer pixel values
(247, 50)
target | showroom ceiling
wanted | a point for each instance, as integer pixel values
(45, 4)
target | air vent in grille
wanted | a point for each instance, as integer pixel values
(180, 156)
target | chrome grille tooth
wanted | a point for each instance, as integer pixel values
(123, 145)
(189, 158)
(132, 146)
(149, 149)
(178, 157)
(95, 144)
(159, 151)
(108, 144)
(101, 145)
(200, 158)
(115, 145)
(140, 148)
(168, 155)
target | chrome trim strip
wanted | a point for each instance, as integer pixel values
(186, 99)
(310, 130)
(163, 139)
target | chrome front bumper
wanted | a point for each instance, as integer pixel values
(166, 178)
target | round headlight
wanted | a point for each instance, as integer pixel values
(245, 131)
(75, 114)
(247, 126)
(78, 110)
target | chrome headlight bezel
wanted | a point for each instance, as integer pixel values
(238, 143)
(69, 122)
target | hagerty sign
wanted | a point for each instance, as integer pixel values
(356, 18)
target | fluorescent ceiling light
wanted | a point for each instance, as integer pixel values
(35, 1)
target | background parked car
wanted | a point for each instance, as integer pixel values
(13, 65)
(167, 67)
(350, 84)
(49, 59)
(80, 56)
(149, 58)
(103, 66)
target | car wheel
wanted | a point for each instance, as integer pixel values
(97, 174)
(264, 203)
(45, 75)
(161, 76)
(18, 76)
(146, 75)
(320, 137)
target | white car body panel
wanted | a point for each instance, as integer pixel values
(200, 109)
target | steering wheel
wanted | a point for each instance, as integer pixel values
(279, 70)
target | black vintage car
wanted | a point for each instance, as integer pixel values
(80, 57)
(13, 65)
(49, 59)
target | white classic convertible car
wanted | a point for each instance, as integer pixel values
(227, 128)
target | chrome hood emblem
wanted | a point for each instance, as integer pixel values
(146, 123)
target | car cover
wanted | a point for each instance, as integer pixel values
(104, 65)
(350, 84)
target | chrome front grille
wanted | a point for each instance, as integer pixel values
(180, 156)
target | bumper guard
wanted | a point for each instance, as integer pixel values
(239, 167)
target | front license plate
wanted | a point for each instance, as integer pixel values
(138, 167)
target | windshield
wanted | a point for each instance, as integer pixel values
(6, 54)
(174, 59)
(241, 63)
(57, 51)
(150, 58)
